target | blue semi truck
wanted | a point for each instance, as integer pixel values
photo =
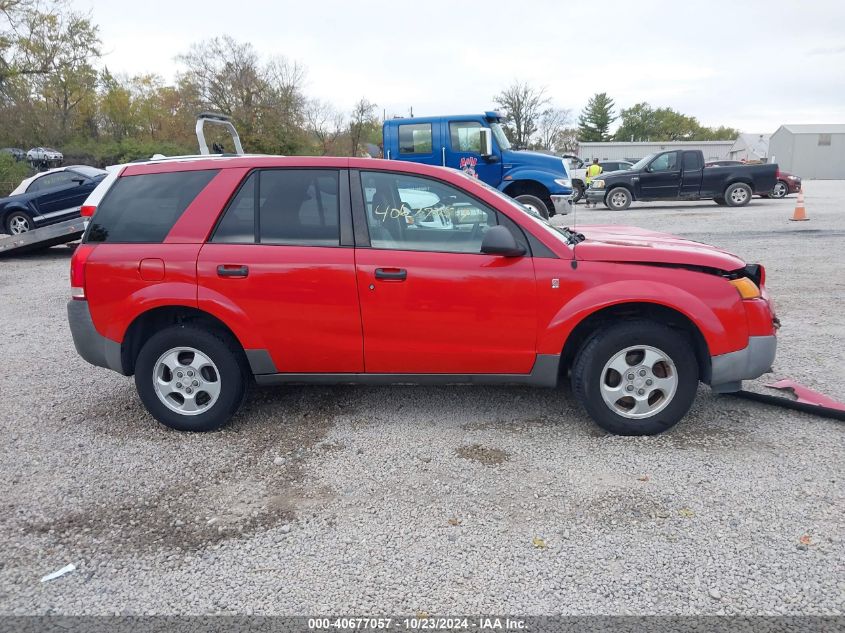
(477, 145)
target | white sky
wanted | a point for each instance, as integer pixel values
(751, 64)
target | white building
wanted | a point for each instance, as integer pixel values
(750, 147)
(810, 151)
(713, 150)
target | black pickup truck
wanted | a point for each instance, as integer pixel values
(681, 175)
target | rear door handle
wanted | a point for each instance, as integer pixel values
(391, 274)
(232, 270)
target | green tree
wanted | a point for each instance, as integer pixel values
(641, 122)
(363, 125)
(721, 133)
(265, 99)
(594, 122)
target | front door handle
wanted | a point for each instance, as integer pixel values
(232, 270)
(391, 274)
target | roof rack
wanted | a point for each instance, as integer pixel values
(216, 119)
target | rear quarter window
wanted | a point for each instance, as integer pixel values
(143, 209)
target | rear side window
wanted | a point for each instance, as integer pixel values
(692, 161)
(297, 207)
(143, 209)
(415, 138)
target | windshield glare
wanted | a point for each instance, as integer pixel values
(558, 232)
(640, 164)
(499, 134)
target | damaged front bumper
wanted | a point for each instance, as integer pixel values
(729, 370)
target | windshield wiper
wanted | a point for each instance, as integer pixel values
(571, 236)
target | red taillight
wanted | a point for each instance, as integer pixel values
(77, 270)
(87, 210)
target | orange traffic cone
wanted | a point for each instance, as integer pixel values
(800, 214)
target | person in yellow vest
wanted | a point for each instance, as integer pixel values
(593, 171)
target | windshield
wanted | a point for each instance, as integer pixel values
(89, 172)
(560, 232)
(499, 134)
(640, 164)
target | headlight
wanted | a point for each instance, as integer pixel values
(597, 184)
(564, 182)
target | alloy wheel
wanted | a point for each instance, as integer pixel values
(186, 381)
(19, 224)
(639, 381)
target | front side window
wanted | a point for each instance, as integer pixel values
(465, 136)
(295, 207)
(49, 181)
(412, 213)
(665, 162)
(415, 138)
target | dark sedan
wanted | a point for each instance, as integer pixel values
(48, 198)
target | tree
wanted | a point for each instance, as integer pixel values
(721, 133)
(325, 124)
(594, 122)
(523, 106)
(115, 107)
(550, 127)
(567, 141)
(47, 62)
(264, 98)
(363, 121)
(641, 122)
(17, 18)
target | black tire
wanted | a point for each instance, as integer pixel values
(577, 191)
(781, 189)
(223, 353)
(18, 219)
(535, 203)
(720, 201)
(737, 195)
(606, 343)
(618, 199)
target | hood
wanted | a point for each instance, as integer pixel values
(611, 243)
(525, 158)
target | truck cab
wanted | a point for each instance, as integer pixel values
(476, 144)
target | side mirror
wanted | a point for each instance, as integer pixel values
(485, 141)
(498, 240)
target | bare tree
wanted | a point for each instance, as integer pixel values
(567, 141)
(325, 123)
(363, 117)
(550, 127)
(523, 105)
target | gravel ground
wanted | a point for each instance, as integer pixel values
(442, 500)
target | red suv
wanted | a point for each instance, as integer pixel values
(201, 274)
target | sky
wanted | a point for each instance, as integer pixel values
(749, 64)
